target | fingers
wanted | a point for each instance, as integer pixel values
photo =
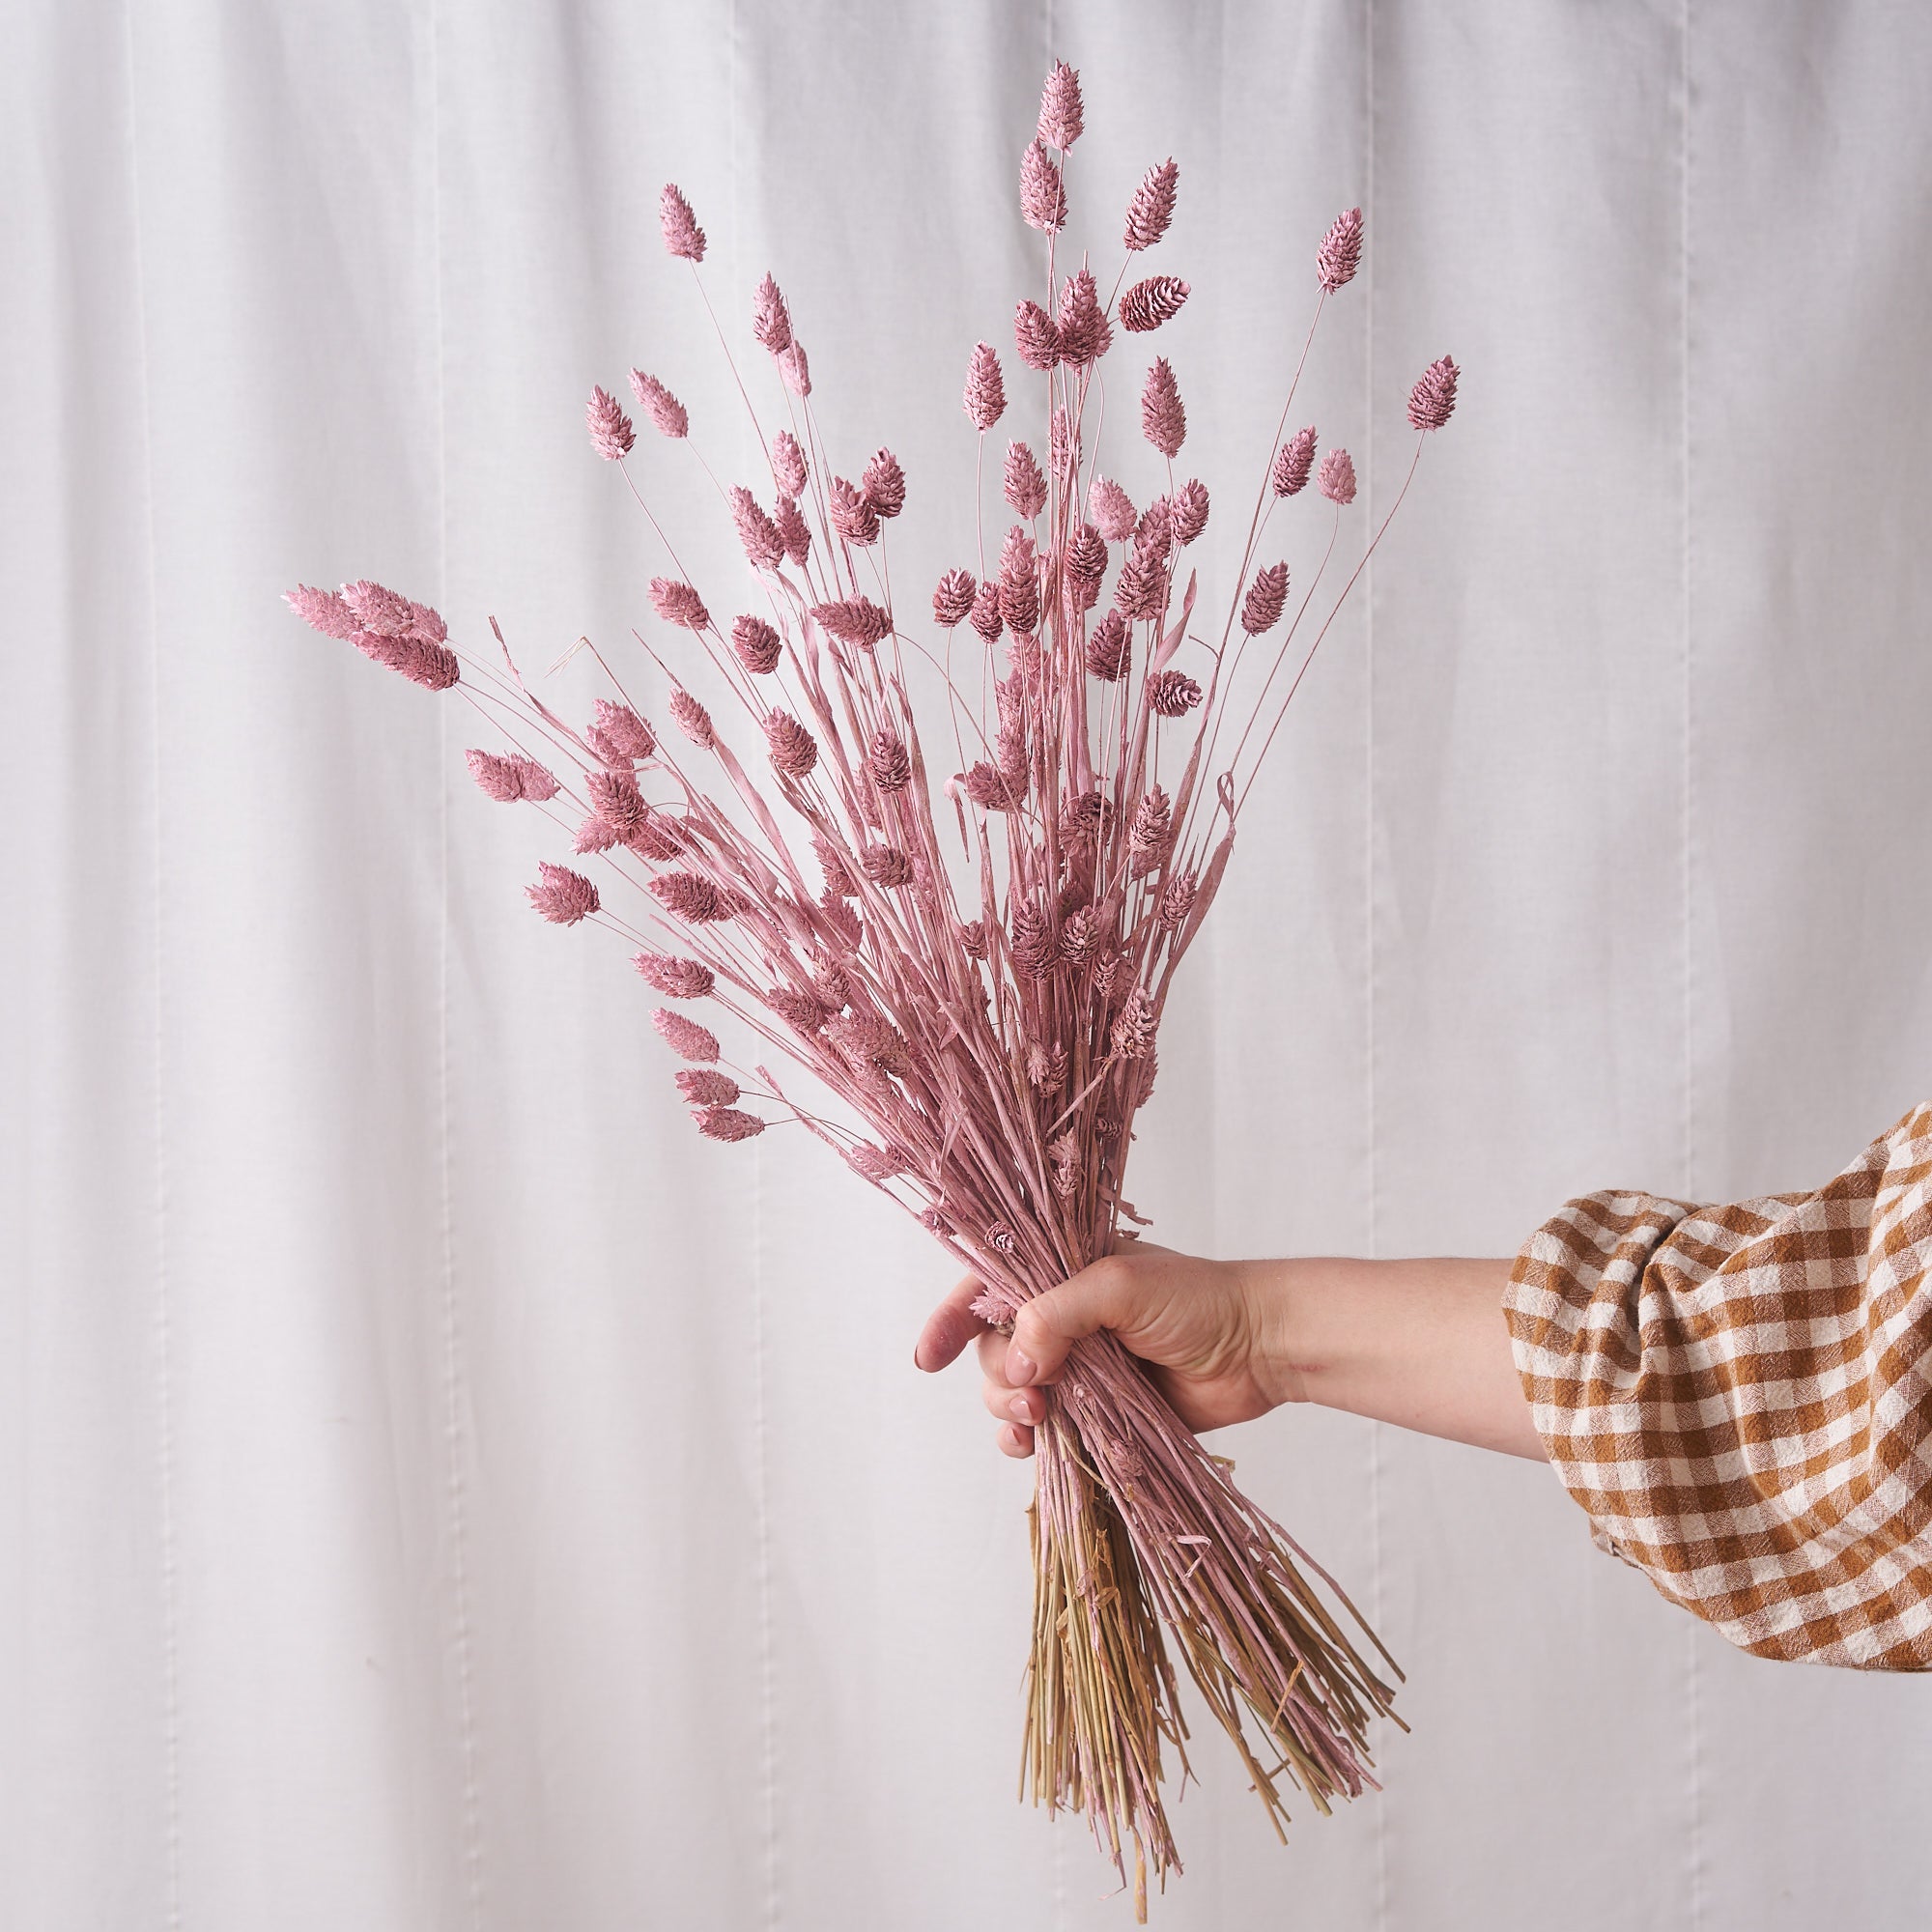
(1017, 1410)
(1104, 1295)
(947, 1329)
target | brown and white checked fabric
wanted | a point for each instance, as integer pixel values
(1741, 1398)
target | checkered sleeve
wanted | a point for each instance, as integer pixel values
(1741, 1400)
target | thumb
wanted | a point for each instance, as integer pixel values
(1102, 1296)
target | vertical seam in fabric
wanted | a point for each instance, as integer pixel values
(471, 1821)
(163, 1332)
(1693, 1701)
(1376, 1485)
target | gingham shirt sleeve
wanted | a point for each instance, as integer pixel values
(1741, 1398)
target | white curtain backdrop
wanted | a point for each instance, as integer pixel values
(436, 1490)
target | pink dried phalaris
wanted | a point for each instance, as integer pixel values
(787, 463)
(1042, 193)
(678, 979)
(1112, 510)
(1163, 420)
(972, 937)
(728, 1123)
(1085, 332)
(757, 645)
(1032, 940)
(1109, 648)
(801, 1011)
(682, 236)
(796, 370)
(1061, 120)
(706, 1087)
(852, 516)
(539, 782)
(626, 735)
(376, 608)
(886, 866)
(1025, 486)
(952, 597)
(496, 778)
(562, 897)
(1087, 556)
(1019, 561)
(985, 397)
(794, 531)
(1340, 254)
(1035, 1063)
(842, 919)
(1188, 512)
(855, 620)
(656, 838)
(691, 717)
(1080, 935)
(829, 982)
(593, 834)
(1036, 336)
(1154, 535)
(1065, 1154)
(1001, 1240)
(987, 619)
(677, 603)
(669, 417)
(771, 319)
(1150, 830)
(1176, 901)
(884, 484)
(873, 1163)
(763, 544)
(1152, 205)
(888, 762)
(990, 788)
(1337, 479)
(610, 427)
(1134, 1028)
(1432, 400)
(615, 799)
(323, 611)
(1149, 303)
(794, 751)
(685, 1036)
(1293, 462)
(1262, 608)
(1140, 590)
(690, 896)
(1172, 694)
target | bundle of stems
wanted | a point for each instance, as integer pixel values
(986, 1010)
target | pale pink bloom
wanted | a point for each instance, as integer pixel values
(953, 598)
(1293, 462)
(666, 413)
(324, 611)
(1149, 833)
(682, 235)
(426, 624)
(1112, 510)
(1080, 935)
(615, 799)
(1134, 1029)
(888, 761)
(1032, 940)
(796, 370)
(1163, 420)
(830, 983)
(1086, 556)
(728, 1123)
(855, 621)
(1172, 694)
(627, 734)
(1065, 1153)
(1085, 333)
(1001, 1240)
(1176, 901)
(690, 896)
(1432, 400)
(764, 546)
(788, 464)
(677, 603)
(1260, 609)
(1154, 535)
(1036, 336)
(1140, 590)
(794, 530)
(844, 919)
(1188, 512)
(801, 1011)
(1150, 303)
(593, 834)
(561, 896)
(706, 1087)
(1152, 205)
(692, 720)
(430, 665)
(873, 1163)
(499, 778)
(1109, 648)
(610, 427)
(794, 751)
(1042, 193)
(1341, 252)
(1019, 581)
(758, 646)
(771, 319)
(685, 1036)
(1060, 113)
(886, 866)
(986, 616)
(1337, 481)
(985, 397)
(990, 790)
(837, 880)
(1025, 486)
(884, 484)
(852, 516)
(656, 838)
(972, 937)
(388, 612)
(539, 782)
(680, 979)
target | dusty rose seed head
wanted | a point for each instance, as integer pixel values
(666, 413)
(1036, 336)
(771, 319)
(728, 1123)
(686, 1037)
(538, 782)
(1112, 510)
(1085, 333)
(610, 427)
(1152, 205)
(985, 397)
(1341, 252)
(497, 778)
(855, 620)
(690, 896)
(1337, 481)
(692, 719)
(796, 370)
(562, 897)
(679, 978)
(678, 603)
(763, 544)
(952, 599)
(757, 645)
(793, 530)
(323, 611)
(615, 799)
(787, 463)
(1087, 556)
(1260, 609)
(1042, 193)
(682, 236)
(1150, 303)
(1163, 420)
(884, 484)
(794, 751)
(1108, 648)
(1025, 484)
(888, 762)
(1188, 512)
(852, 516)
(1172, 694)
(1293, 462)
(1059, 109)
(988, 618)
(1432, 400)
(622, 730)
(384, 612)
(706, 1087)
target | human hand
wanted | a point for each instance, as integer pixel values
(1211, 1333)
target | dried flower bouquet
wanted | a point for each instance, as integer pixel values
(988, 1010)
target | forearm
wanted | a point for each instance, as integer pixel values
(1419, 1343)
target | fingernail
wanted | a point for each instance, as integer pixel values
(1019, 1407)
(1019, 1368)
(916, 1362)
